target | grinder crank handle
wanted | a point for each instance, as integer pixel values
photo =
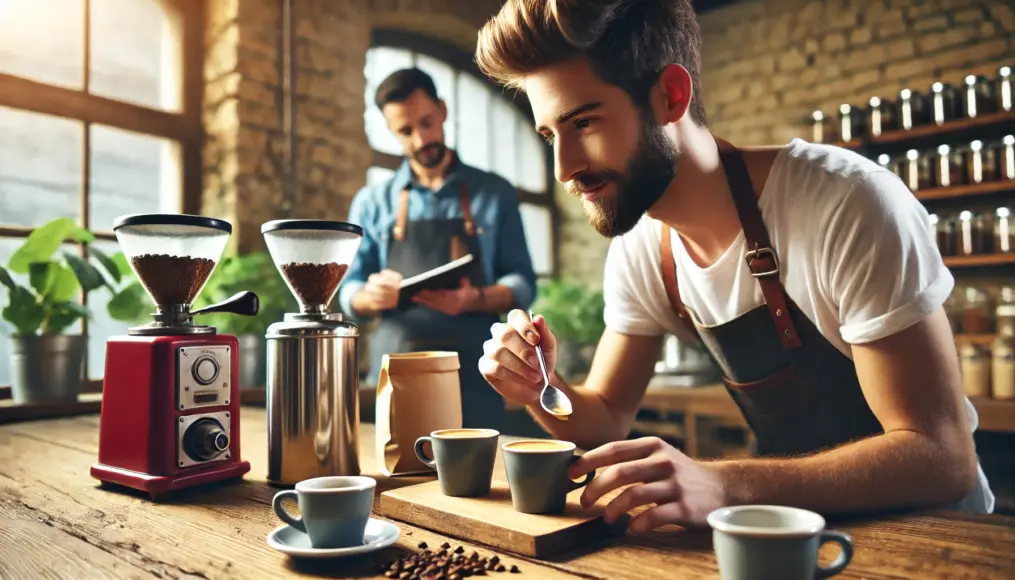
(246, 303)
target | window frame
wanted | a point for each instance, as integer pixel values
(463, 62)
(185, 128)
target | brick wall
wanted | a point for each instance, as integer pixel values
(767, 65)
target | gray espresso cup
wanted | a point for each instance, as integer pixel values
(768, 542)
(463, 459)
(333, 510)
(537, 474)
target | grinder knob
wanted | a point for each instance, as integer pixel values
(205, 439)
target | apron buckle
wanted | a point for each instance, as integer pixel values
(766, 254)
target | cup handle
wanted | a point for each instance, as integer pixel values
(285, 516)
(428, 461)
(845, 556)
(579, 484)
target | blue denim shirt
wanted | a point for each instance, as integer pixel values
(493, 202)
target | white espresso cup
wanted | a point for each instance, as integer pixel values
(768, 542)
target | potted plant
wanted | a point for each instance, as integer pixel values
(574, 313)
(47, 362)
(254, 271)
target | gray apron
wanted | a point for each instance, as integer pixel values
(798, 393)
(416, 247)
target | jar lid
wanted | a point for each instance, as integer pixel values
(1003, 212)
(818, 115)
(1008, 140)
(1004, 71)
(1006, 310)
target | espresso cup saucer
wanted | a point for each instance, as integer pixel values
(379, 534)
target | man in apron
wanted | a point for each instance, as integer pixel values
(436, 209)
(807, 271)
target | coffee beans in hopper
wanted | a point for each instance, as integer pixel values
(172, 279)
(314, 283)
(447, 564)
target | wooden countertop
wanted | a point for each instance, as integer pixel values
(59, 522)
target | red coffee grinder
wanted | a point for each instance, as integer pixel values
(170, 398)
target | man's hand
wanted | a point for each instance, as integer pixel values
(509, 360)
(683, 490)
(380, 293)
(450, 302)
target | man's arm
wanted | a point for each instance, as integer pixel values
(925, 458)
(515, 285)
(605, 406)
(367, 259)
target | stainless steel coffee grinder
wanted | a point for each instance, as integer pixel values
(312, 364)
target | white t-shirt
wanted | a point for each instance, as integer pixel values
(855, 252)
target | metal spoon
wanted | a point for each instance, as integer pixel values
(552, 399)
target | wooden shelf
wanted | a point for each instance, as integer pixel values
(979, 339)
(979, 260)
(965, 190)
(958, 131)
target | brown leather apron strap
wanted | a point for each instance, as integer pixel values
(403, 212)
(463, 198)
(670, 280)
(402, 216)
(761, 257)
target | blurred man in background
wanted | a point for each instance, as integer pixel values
(433, 210)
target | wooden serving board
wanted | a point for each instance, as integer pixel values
(493, 521)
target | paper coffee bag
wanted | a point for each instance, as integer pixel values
(417, 393)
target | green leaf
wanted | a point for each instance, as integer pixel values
(129, 305)
(23, 311)
(87, 275)
(63, 284)
(5, 278)
(63, 316)
(39, 274)
(120, 259)
(41, 244)
(111, 267)
(79, 234)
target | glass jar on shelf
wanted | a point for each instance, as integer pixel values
(945, 103)
(972, 235)
(851, 123)
(880, 117)
(1003, 89)
(953, 309)
(943, 231)
(982, 163)
(912, 109)
(1006, 157)
(1004, 231)
(918, 170)
(978, 96)
(976, 369)
(1003, 367)
(949, 167)
(820, 132)
(976, 312)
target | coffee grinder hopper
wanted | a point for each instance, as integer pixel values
(313, 257)
(173, 255)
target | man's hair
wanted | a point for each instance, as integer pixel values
(627, 42)
(400, 84)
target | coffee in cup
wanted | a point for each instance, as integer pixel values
(333, 510)
(537, 474)
(463, 459)
(762, 542)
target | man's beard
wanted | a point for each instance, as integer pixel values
(430, 155)
(649, 172)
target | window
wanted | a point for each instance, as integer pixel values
(99, 116)
(486, 128)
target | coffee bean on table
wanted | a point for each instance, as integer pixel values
(422, 546)
(445, 545)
